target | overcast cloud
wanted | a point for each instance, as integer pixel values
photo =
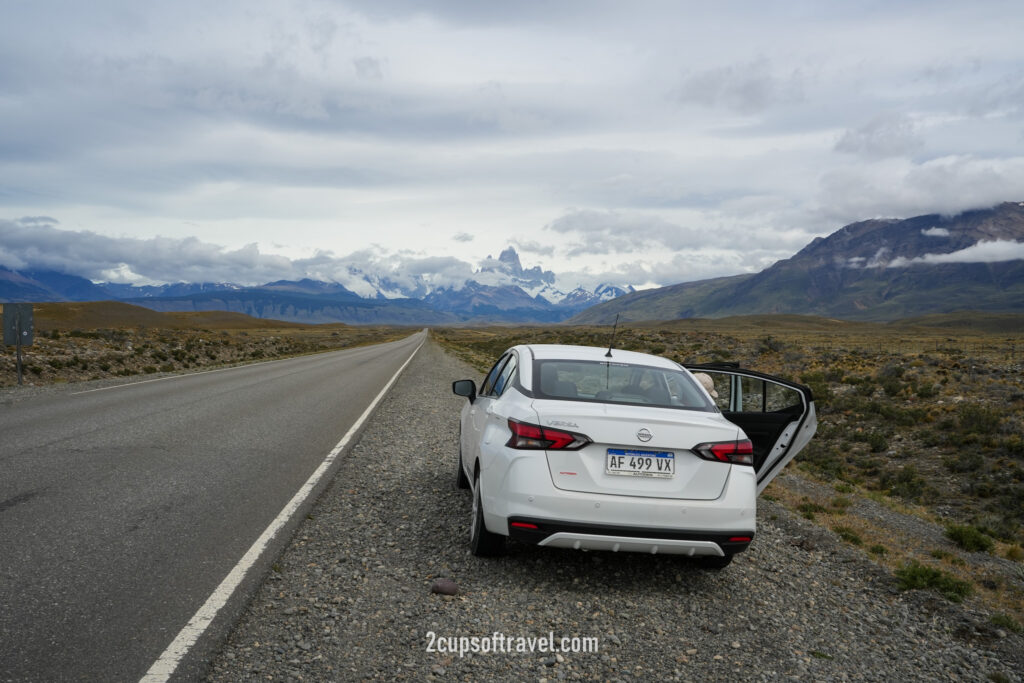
(983, 252)
(647, 143)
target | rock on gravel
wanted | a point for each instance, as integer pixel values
(352, 595)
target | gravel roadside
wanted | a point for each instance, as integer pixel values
(351, 597)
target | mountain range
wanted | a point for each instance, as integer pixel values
(501, 291)
(879, 269)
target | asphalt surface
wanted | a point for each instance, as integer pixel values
(122, 509)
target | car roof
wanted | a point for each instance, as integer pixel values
(596, 353)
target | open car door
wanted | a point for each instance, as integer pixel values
(776, 414)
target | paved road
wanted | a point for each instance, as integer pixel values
(122, 509)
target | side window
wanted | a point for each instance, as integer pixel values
(760, 396)
(753, 395)
(781, 399)
(505, 377)
(492, 376)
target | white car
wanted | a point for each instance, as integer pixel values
(602, 449)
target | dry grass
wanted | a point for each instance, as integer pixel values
(97, 340)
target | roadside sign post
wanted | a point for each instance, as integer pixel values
(18, 329)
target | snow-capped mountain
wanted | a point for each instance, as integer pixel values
(502, 284)
(499, 284)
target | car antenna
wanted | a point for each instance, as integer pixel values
(612, 342)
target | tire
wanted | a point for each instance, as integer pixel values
(461, 480)
(714, 563)
(482, 542)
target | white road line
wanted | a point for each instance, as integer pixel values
(165, 665)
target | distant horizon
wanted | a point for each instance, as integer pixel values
(37, 236)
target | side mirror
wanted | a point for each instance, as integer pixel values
(465, 387)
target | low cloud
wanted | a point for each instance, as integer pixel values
(879, 260)
(534, 248)
(935, 232)
(900, 187)
(982, 252)
(37, 245)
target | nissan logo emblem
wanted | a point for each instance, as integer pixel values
(644, 435)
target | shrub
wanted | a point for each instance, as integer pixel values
(1003, 522)
(891, 386)
(1013, 445)
(877, 442)
(978, 419)
(840, 503)
(808, 509)
(916, 576)
(878, 549)
(965, 461)
(825, 462)
(1007, 622)
(969, 538)
(849, 535)
(905, 483)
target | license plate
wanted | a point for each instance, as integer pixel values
(631, 463)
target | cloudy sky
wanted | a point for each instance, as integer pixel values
(642, 142)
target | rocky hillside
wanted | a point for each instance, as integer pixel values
(871, 270)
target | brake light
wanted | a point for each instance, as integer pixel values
(735, 452)
(526, 436)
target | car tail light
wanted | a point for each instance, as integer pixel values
(735, 452)
(526, 436)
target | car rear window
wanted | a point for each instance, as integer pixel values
(623, 383)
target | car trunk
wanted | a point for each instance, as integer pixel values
(656, 440)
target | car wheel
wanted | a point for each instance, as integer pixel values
(461, 480)
(714, 563)
(481, 541)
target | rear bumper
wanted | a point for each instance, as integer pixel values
(520, 501)
(616, 538)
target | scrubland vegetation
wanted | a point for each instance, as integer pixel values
(925, 421)
(75, 342)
